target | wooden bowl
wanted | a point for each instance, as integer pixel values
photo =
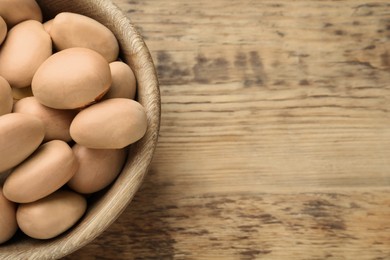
(106, 207)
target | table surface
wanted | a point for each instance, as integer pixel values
(275, 133)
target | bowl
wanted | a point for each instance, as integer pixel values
(106, 207)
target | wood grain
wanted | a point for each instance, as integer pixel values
(275, 133)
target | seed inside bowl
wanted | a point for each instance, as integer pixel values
(66, 104)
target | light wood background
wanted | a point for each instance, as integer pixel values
(275, 133)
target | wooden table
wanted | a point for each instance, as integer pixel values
(275, 133)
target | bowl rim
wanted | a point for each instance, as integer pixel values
(115, 200)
